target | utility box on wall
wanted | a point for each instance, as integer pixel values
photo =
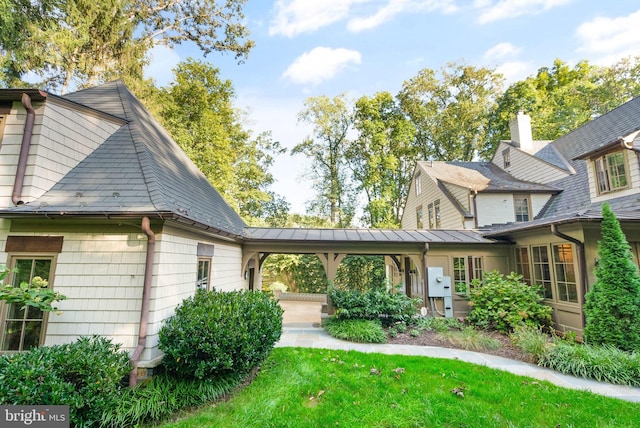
(440, 287)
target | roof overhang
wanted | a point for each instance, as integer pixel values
(620, 143)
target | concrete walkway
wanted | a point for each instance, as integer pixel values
(301, 329)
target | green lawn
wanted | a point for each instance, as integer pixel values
(300, 387)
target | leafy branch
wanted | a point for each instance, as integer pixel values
(37, 294)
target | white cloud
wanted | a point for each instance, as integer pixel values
(162, 60)
(395, 7)
(505, 9)
(610, 38)
(305, 16)
(320, 64)
(502, 50)
(514, 71)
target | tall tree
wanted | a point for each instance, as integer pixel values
(84, 42)
(198, 111)
(612, 307)
(331, 119)
(382, 158)
(450, 111)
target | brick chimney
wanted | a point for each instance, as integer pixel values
(521, 135)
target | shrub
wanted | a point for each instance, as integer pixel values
(612, 307)
(471, 339)
(85, 375)
(220, 333)
(439, 324)
(382, 305)
(602, 363)
(531, 340)
(502, 303)
(355, 330)
(162, 396)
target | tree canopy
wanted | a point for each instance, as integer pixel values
(82, 43)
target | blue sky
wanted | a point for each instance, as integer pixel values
(307, 48)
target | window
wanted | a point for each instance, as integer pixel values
(434, 215)
(541, 269)
(204, 272)
(523, 266)
(611, 172)
(465, 270)
(418, 184)
(23, 329)
(506, 158)
(419, 218)
(565, 273)
(522, 207)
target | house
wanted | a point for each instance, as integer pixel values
(97, 199)
(545, 198)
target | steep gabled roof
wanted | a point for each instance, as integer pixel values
(481, 177)
(139, 169)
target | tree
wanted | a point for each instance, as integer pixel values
(612, 307)
(331, 120)
(382, 158)
(450, 113)
(198, 112)
(85, 43)
(560, 98)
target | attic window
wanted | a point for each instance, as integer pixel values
(506, 158)
(5, 109)
(611, 172)
(418, 184)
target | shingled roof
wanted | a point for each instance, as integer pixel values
(139, 170)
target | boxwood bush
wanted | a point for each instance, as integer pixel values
(220, 333)
(382, 305)
(86, 375)
(502, 303)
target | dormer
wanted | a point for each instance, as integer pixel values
(613, 168)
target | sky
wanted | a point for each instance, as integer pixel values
(309, 48)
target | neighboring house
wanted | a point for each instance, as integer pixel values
(543, 197)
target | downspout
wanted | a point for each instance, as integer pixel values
(24, 151)
(425, 280)
(582, 260)
(146, 297)
(475, 209)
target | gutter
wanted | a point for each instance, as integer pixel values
(16, 196)
(582, 261)
(146, 297)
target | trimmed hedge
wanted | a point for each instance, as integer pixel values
(220, 333)
(382, 305)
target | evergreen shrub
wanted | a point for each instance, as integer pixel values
(379, 304)
(87, 375)
(612, 307)
(220, 333)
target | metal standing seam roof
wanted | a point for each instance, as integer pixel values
(138, 169)
(365, 235)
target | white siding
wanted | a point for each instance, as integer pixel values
(461, 194)
(62, 137)
(495, 208)
(527, 167)
(538, 201)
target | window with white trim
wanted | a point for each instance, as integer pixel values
(418, 184)
(522, 205)
(205, 255)
(23, 329)
(419, 218)
(434, 214)
(611, 172)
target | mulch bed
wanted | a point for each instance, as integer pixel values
(432, 338)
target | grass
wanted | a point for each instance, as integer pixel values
(361, 331)
(300, 387)
(471, 339)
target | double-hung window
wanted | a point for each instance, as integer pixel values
(419, 218)
(434, 215)
(465, 270)
(522, 207)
